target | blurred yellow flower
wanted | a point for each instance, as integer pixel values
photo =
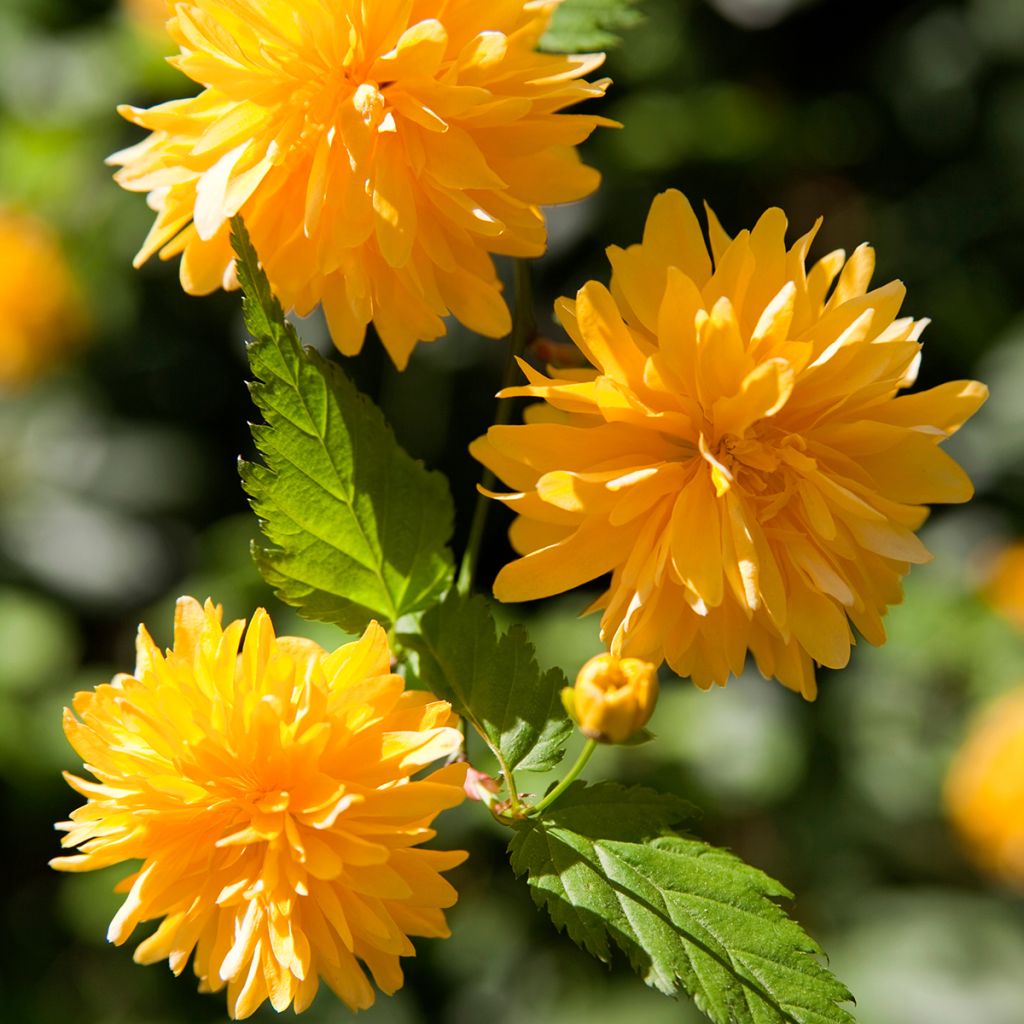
(985, 790)
(738, 460)
(41, 313)
(1005, 587)
(613, 698)
(150, 15)
(268, 794)
(378, 153)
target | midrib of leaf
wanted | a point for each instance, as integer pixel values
(345, 495)
(663, 914)
(558, 840)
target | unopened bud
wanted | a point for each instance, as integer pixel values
(480, 786)
(613, 698)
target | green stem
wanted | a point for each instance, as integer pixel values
(514, 805)
(574, 774)
(524, 330)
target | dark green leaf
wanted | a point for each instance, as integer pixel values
(356, 529)
(581, 26)
(494, 682)
(688, 916)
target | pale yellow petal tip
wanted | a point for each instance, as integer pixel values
(977, 390)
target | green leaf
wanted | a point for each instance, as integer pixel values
(688, 916)
(581, 26)
(356, 529)
(494, 682)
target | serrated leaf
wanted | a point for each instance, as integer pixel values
(581, 26)
(688, 916)
(494, 682)
(356, 529)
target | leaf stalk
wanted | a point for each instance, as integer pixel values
(524, 330)
(574, 774)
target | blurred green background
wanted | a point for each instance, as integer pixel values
(902, 123)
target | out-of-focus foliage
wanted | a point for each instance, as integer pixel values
(589, 25)
(904, 125)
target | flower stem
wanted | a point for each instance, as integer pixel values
(574, 773)
(524, 330)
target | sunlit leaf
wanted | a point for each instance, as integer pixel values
(688, 916)
(355, 528)
(494, 682)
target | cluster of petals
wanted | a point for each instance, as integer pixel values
(985, 790)
(379, 152)
(739, 458)
(41, 314)
(274, 796)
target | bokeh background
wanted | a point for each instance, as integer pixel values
(902, 123)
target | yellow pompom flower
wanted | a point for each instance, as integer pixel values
(739, 459)
(268, 792)
(985, 790)
(41, 313)
(379, 153)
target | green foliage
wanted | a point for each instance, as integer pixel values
(688, 916)
(494, 682)
(580, 26)
(356, 528)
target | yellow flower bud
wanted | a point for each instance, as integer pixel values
(613, 698)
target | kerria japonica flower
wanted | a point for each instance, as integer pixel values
(268, 792)
(41, 310)
(379, 153)
(984, 792)
(739, 459)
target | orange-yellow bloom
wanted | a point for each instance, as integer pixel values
(985, 790)
(150, 15)
(613, 698)
(268, 793)
(379, 153)
(41, 313)
(738, 459)
(1005, 588)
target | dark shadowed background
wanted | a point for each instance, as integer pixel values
(901, 123)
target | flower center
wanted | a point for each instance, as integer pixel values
(272, 802)
(763, 466)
